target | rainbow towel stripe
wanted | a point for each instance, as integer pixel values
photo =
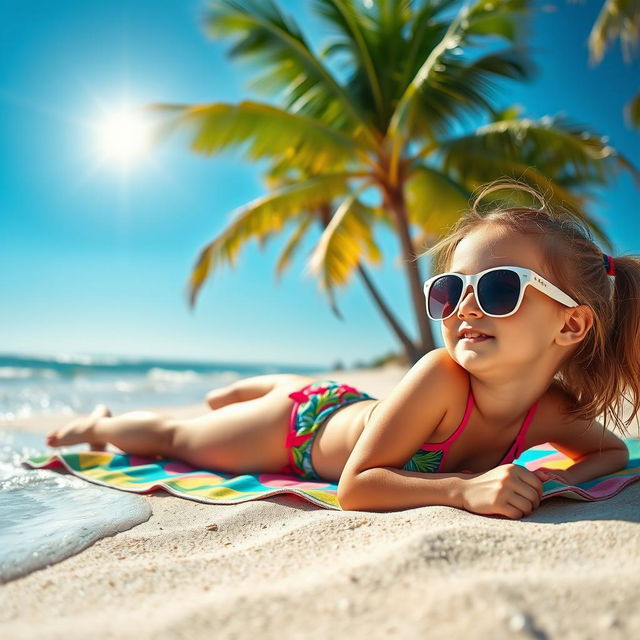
(144, 475)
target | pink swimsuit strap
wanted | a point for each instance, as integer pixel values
(514, 449)
(518, 444)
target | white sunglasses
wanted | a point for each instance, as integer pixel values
(499, 291)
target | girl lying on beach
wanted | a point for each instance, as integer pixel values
(541, 336)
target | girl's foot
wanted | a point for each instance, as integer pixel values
(79, 430)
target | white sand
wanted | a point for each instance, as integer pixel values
(283, 568)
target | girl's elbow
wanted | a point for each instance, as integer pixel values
(618, 459)
(624, 458)
(347, 495)
(346, 507)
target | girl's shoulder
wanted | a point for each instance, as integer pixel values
(441, 359)
(455, 373)
(438, 362)
(444, 382)
(443, 373)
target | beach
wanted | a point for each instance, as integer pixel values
(284, 568)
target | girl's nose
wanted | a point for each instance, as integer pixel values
(469, 305)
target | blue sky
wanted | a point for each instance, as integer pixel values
(93, 261)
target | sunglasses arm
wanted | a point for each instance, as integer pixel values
(541, 284)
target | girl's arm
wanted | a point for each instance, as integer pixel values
(373, 478)
(595, 450)
(393, 489)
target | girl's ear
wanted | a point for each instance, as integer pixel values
(578, 321)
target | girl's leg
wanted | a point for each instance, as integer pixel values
(74, 431)
(251, 388)
(137, 432)
(247, 433)
(240, 437)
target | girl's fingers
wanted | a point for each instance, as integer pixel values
(533, 486)
(526, 492)
(550, 474)
(514, 513)
(526, 497)
(524, 504)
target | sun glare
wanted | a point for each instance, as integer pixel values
(123, 137)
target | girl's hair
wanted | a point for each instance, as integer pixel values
(604, 370)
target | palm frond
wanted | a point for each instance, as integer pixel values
(262, 218)
(458, 88)
(434, 200)
(617, 19)
(632, 111)
(264, 131)
(288, 64)
(357, 28)
(389, 47)
(426, 30)
(294, 243)
(553, 146)
(497, 19)
(346, 240)
(554, 157)
(459, 35)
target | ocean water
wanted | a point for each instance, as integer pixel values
(66, 384)
(46, 516)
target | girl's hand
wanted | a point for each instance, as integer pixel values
(508, 490)
(544, 473)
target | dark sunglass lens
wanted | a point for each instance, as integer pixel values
(499, 291)
(444, 296)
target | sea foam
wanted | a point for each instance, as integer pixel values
(47, 516)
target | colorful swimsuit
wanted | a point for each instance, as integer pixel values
(314, 403)
(430, 457)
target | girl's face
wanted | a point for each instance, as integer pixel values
(519, 340)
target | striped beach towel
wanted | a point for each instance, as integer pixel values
(144, 475)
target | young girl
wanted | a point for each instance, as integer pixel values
(541, 335)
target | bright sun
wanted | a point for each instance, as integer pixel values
(123, 137)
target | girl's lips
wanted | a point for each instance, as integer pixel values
(479, 339)
(463, 332)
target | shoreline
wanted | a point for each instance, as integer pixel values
(283, 568)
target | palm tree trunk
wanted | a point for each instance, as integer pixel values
(410, 349)
(396, 203)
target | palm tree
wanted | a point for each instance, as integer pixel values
(618, 19)
(367, 132)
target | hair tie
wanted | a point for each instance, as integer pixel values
(608, 265)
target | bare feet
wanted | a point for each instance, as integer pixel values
(79, 430)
